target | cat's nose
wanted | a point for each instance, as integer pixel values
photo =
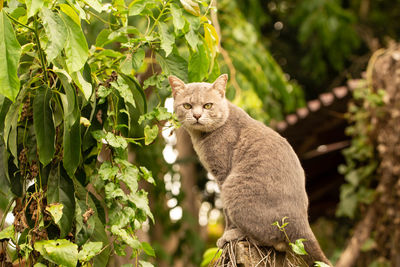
(197, 116)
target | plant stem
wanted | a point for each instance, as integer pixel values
(159, 17)
(6, 212)
(19, 23)
(40, 51)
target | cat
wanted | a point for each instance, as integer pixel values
(259, 175)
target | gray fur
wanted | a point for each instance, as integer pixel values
(259, 174)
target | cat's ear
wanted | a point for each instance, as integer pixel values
(220, 84)
(177, 84)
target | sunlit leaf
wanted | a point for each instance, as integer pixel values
(198, 65)
(55, 30)
(137, 58)
(55, 210)
(191, 7)
(177, 17)
(174, 64)
(60, 251)
(10, 52)
(298, 247)
(70, 12)
(150, 134)
(145, 264)
(192, 39)
(33, 6)
(167, 38)
(210, 256)
(136, 7)
(116, 141)
(76, 48)
(211, 37)
(148, 249)
(95, 4)
(89, 250)
(7, 233)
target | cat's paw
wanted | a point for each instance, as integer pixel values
(229, 235)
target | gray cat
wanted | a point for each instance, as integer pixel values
(259, 174)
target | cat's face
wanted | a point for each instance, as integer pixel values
(200, 106)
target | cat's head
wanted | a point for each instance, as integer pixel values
(200, 106)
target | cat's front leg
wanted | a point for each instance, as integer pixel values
(230, 235)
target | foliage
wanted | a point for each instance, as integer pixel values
(72, 113)
(210, 256)
(361, 157)
(265, 92)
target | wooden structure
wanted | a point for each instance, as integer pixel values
(317, 134)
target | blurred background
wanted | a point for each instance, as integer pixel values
(300, 67)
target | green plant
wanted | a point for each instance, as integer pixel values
(298, 245)
(361, 157)
(71, 114)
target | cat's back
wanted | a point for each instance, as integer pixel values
(260, 146)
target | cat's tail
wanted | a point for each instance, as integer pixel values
(314, 251)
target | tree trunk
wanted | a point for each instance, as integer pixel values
(384, 223)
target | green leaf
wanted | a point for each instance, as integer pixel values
(44, 125)
(33, 6)
(60, 251)
(96, 5)
(211, 38)
(137, 59)
(10, 52)
(192, 38)
(76, 48)
(70, 12)
(148, 249)
(191, 7)
(56, 211)
(60, 190)
(126, 237)
(83, 80)
(7, 233)
(72, 132)
(141, 202)
(210, 255)
(198, 65)
(136, 7)
(130, 177)
(5, 104)
(10, 129)
(89, 250)
(116, 141)
(39, 265)
(55, 30)
(145, 264)
(298, 247)
(126, 65)
(147, 175)
(102, 37)
(167, 39)
(138, 94)
(174, 64)
(177, 17)
(123, 89)
(150, 134)
(320, 264)
(107, 172)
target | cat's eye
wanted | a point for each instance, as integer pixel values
(187, 106)
(208, 105)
